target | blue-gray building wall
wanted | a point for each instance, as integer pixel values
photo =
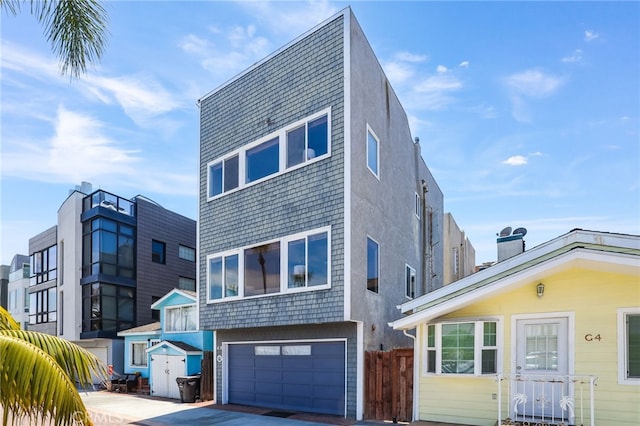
(301, 80)
(154, 280)
(37, 243)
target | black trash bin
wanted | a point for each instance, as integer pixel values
(189, 388)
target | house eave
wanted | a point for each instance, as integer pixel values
(578, 257)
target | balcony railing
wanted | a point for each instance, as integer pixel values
(545, 399)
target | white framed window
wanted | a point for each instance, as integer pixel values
(373, 265)
(410, 281)
(295, 145)
(418, 205)
(180, 318)
(462, 348)
(299, 262)
(138, 352)
(629, 346)
(373, 152)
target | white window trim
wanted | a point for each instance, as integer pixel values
(369, 237)
(129, 361)
(164, 324)
(622, 346)
(418, 204)
(370, 130)
(413, 270)
(281, 134)
(284, 289)
(477, 350)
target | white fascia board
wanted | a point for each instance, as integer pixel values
(171, 293)
(535, 255)
(577, 257)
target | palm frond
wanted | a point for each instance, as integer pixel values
(78, 363)
(34, 386)
(6, 320)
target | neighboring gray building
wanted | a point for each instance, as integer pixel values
(459, 253)
(318, 216)
(98, 271)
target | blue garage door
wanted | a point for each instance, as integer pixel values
(292, 376)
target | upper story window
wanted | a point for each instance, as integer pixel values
(108, 201)
(108, 247)
(629, 346)
(187, 283)
(410, 281)
(158, 252)
(301, 142)
(181, 318)
(418, 205)
(294, 263)
(373, 265)
(462, 348)
(43, 306)
(186, 253)
(373, 152)
(43, 265)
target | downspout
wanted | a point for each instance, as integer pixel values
(425, 285)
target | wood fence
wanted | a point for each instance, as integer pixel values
(388, 385)
(206, 376)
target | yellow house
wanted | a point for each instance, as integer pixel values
(549, 336)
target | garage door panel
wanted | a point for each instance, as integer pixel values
(303, 377)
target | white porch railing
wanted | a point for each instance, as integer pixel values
(545, 399)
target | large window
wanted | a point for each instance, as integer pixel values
(373, 265)
(43, 306)
(462, 348)
(107, 307)
(373, 152)
(629, 346)
(43, 265)
(138, 354)
(304, 141)
(259, 270)
(182, 318)
(108, 248)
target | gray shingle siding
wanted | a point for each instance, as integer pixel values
(300, 200)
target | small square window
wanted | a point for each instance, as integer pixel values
(139, 354)
(410, 279)
(418, 205)
(158, 252)
(187, 253)
(185, 283)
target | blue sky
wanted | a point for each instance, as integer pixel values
(527, 112)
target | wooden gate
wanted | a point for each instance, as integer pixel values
(388, 385)
(206, 376)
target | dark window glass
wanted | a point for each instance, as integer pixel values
(633, 346)
(262, 269)
(263, 160)
(158, 251)
(187, 283)
(297, 263)
(373, 270)
(317, 259)
(296, 146)
(318, 137)
(231, 173)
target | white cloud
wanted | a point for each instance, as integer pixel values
(193, 44)
(534, 83)
(464, 64)
(439, 83)
(441, 69)
(590, 35)
(576, 56)
(410, 57)
(516, 160)
(398, 72)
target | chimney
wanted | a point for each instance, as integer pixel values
(510, 244)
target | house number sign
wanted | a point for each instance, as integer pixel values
(590, 337)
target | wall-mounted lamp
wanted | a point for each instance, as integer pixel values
(540, 290)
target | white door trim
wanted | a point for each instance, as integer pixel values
(570, 316)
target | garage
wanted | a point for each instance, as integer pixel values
(299, 376)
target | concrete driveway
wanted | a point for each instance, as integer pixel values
(109, 409)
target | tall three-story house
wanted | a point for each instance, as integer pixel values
(99, 270)
(317, 217)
